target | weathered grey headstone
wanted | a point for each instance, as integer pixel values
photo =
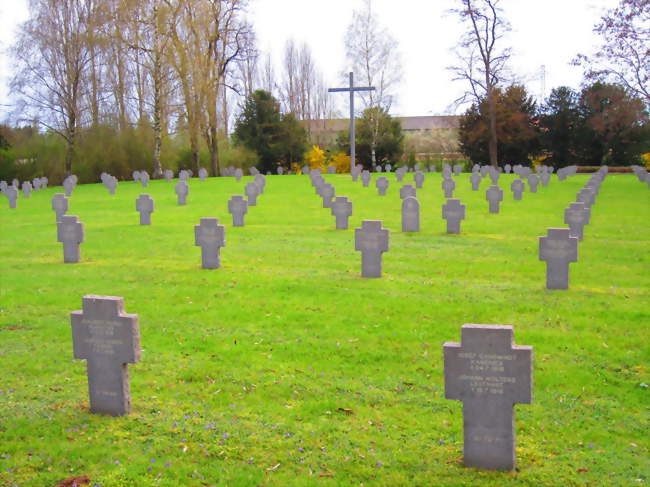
(3, 186)
(517, 187)
(237, 207)
(331, 169)
(144, 178)
(239, 174)
(475, 179)
(252, 191)
(203, 173)
(144, 205)
(399, 174)
(68, 186)
(305, 169)
(448, 186)
(111, 184)
(190, 173)
(70, 232)
(109, 339)
(533, 181)
(545, 178)
(253, 171)
(382, 185)
(59, 205)
(327, 193)
(453, 211)
(372, 241)
(419, 179)
(446, 172)
(494, 195)
(407, 191)
(388, 167)
(355, 172)
(27, 188)
(183, 175)
(280, 170)
(410, 215)
(168, 175)
(575, 216)
(15, 183)
(508, 168)
(210, 236)
(260, 180)
(342, 210)
(365, 178)
(458, 168)
(489, 374)
(182, 190)
(586, 196)
(558, 249)
(36, 184)
(136, 176)
(485, 170)
(12, 195)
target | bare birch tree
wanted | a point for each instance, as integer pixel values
(482, 58)
(374, 57)
(53, 60)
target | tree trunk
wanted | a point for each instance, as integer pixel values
(492, 145)
(214, 152)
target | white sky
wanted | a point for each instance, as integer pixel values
(544, 32)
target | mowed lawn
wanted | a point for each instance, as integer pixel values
(286, 368)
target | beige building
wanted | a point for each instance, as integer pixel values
(425, 137)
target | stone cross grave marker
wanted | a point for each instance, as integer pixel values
(342, 210)
(494, 195)
(252, 190)
(352, 89)
(144, 205)
(517, 187)
(545, 178)
(489, 374)
(410, 215)
(419, 179)
(70, 232)
(558, 249)
(382, 185)
(365, 178)
(237, 207)
(27, 188)
(575, 216)
(68, 186)
(533, 181)
(407, 191)
(448, 186)
(475, 179)
(59, 205)
(372, 240)
(12, 195)
(144, 178)
(586, 196)
(182, 190)
(203, 173)
(453, 211)
(327, 192)
(108, 339)
(210, 236)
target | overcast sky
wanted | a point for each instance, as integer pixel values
(544, 32)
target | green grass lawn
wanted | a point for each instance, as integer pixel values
(286, 368)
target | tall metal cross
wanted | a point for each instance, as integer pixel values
(352, 89)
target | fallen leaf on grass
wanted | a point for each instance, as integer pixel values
(583, 470)
(326, 473)
(74, 481)
(273, 468)
(346, 411)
